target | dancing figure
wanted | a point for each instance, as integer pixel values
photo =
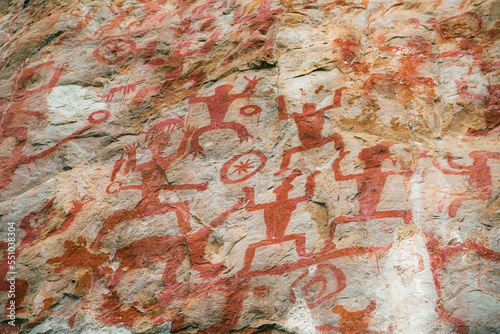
(309, 125)
(479, 179)
(277, 215)
(218, 105)
(370, 184)
(154, 179)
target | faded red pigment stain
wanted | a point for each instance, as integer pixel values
(406, 80)
(218, 105)
(15, 110)
(116, 313)
(254, 32)
(370, 185)
(473, 39)
(154, 180)
(349, 50)
(439, 258)
(478, 176)
(19, 158)
(70, 216)
(491, 113)
(32, 224)
(236, 290)
(309, 126)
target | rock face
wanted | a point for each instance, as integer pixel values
(248, 167)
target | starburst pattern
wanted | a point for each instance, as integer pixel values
(243, 167)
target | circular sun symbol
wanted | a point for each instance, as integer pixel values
(114, 51)
(243, 166)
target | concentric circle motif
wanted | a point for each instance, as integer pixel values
(99, 116)
(315, 282)
(254, 110)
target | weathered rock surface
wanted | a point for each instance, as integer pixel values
(250, 166)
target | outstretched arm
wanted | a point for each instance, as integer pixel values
(452, 163)
(166, 162)
(194, 99)
(223, 216)
(249, 199)
(249, 89)
(493, 155)
(447, 171)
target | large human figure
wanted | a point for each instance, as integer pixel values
(370, 184)
(218, 105)
(310, 124)
(154, 179)
(277, 215)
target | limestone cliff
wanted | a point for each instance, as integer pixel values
(264, 166)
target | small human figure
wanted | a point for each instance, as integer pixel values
(154, 180)
(479, 179)
(309, 125)
(406, 80)
(370, 184)
(218, 105)
(277, 215)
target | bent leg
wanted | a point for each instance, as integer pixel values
(183, 216)
(287, 156)
(194, 144)
(113, 220)
(240, 129)
(333, 227)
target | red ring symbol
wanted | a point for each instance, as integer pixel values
(105, 116)
(225, 168)
(309, 278)
(117, 189)
(256, 110)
